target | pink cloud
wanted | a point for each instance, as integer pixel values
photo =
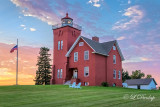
(148, 67)
(36, 9)
(27, 64)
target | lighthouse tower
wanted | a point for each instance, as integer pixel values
(64, 35)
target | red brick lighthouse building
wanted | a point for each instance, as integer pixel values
(80, 59)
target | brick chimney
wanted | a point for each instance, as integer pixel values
(95, 38)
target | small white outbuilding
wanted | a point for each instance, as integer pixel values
(147, 83)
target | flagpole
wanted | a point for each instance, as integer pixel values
(17, 65)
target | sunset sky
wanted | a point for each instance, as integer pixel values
(134, 23)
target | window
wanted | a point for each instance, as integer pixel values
(75, 56)
(119, 74)
(114, 48)
(114, 74)
(86, 55)
(61, 44)
(58, 73)
(86, 83)
(86, 71)
(114, 59)
(81, 43)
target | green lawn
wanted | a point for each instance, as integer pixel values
(62, 96)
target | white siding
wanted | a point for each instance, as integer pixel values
(152, 85)
(132, 86)
(144, 87)
(124, 85)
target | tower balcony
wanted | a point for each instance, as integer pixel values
(63, 25)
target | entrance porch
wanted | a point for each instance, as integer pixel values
(73, 75)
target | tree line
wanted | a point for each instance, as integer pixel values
(137, 74)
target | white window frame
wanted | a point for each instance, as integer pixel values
(75, 57)
(85, 71)
(114, 74)
(114, 59)
(119, 74)
(61, 44)
(81, 43)
(86, 53)
(61, 71)
(58, 73)
(114, 47)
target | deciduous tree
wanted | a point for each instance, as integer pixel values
(137, 74)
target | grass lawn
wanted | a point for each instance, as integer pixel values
(62, 96)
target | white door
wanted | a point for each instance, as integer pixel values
(74, 73)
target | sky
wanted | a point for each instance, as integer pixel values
(135, 24)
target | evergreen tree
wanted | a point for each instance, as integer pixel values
(43, 74)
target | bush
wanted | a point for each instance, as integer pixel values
(159, 88)
(104, 84)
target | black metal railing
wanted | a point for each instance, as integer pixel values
(62, 25)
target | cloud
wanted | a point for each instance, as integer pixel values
(121, 38)
(27, 59)
(145, 59)
(32, 29)
(22, 25)
(138, 59)
(129, 1)
(134, 16)
(95, 3)
(36, 9)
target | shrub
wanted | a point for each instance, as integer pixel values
(104, 84)
(159, 88)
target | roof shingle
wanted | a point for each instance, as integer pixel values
(140, 81)
(101, 48)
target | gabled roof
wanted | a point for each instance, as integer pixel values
(99, 48)
(140, 81)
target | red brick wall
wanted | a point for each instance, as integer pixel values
(68, 35)
(100, 69)
(81, 63)
(111, 67)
